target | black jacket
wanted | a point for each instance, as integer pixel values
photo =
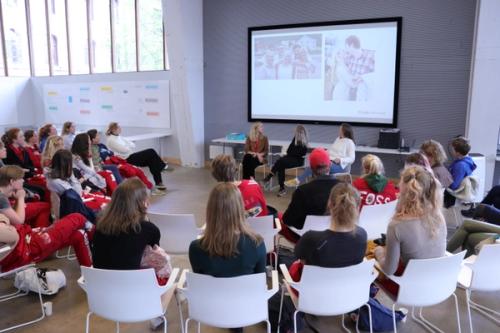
(309, 199)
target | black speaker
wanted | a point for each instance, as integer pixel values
(389, 138)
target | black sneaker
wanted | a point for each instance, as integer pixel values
(468, 212)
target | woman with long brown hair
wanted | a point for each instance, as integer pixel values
(123, 230)
(228, 247)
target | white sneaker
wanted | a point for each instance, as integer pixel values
(157, 192)
(156, 323)
(292, 182)
(166, 167)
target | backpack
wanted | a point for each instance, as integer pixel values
(48, 280)
(381, 317)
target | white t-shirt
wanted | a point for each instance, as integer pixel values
(343, 149)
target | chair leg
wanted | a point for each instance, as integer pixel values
(87, 323)
(186, 324)
(165, 324)
(467, 297)
(343, 325)
(370, 316)
(199, 327)
(487, 312)
(295, 321)
(427, 324)
(268, 325)
(179, 306)
(117, 327)
(281, 307)
(394, 317)
(458, 314)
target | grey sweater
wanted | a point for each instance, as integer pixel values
(410, 239)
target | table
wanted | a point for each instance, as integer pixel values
(151, 135)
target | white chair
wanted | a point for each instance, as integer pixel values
(227, 302)
(481, 273)
(177, 231)
(19, 293)
(330, 291)
(125, 296)
(314, 222)
(268, 228)
(427, 282)
(375, 218)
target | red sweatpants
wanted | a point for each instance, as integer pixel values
(39, 180)
(111, 184)
(37, 214)
(128, 170)
(68, 231)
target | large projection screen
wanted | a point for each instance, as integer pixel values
(328, 72)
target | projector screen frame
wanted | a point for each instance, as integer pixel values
(397, 19)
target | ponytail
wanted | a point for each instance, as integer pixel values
(343, 205)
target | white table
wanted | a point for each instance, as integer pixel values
(284, 145)
(151, 135)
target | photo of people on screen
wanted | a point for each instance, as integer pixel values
(348, 68)
(296, 57)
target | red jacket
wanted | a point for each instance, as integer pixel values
(253, 196)
(370, 197)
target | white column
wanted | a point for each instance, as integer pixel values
(483, 119)
(183, 22)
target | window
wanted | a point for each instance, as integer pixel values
(124, 34)
(16, 37)
(100, 32)
(151, 51)
(78, 36)
(58, 38)
(38, 22)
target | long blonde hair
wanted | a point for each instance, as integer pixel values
(301, 138)
(420, 197)
(126, 210)
(343, 205)
(255, 134)
(53, 144)
(372, 165)
(225, 222)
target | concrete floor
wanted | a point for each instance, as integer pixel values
(187, 193)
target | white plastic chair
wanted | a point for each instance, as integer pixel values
(481, 273)
(19, 293)
(124, 295)
(330, 291)
(427, 282)
(227, 302)
(177, 231)
(268, 228)
(314, 222)
(375, 218)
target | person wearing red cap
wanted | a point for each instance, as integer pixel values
(310, 198)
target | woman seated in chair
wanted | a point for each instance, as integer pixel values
(31, 146)
(417, 229)
(53, 144)
(28, 245)
(44, 133)
(470, 234)
(436, 156)
(342, 155)
(224, 169)
(256, 150)
(373, 186)
(294, 158)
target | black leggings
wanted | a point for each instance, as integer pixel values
(493, 197)
(249, 164)
(148, 158)
(283, 163)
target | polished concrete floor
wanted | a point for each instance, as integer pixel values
(187, 193)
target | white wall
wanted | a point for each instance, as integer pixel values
(23, 101)
(483, 119)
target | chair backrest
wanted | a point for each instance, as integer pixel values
(227, 302)
(334, 291)
(427, 282)
(264, 226)
(315, 222)
(122, 296)
(486, 270)
(177, 231)
(374, 219)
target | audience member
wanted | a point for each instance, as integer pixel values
(256, 150)
(144, 158)
(373, 186)
(31, 146)
(43, 134)
(68, 134)
(224, 169)
(418, 159)
(16, 153)
(418, 228)
(436, 156)
(52, 145)
(96, 157)
(470, 234)
(489, 209)
(294, 158)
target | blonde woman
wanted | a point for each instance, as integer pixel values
(53, 144)
(256, 150)
(68, 134)
(43, 134)
(436, 156)
(123, 230)
(373, 186)
(418, 228)
(228, 247)
(294, 157)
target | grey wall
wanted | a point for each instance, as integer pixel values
(434, 74)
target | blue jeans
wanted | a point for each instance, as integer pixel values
(334, 168)
(114, 169)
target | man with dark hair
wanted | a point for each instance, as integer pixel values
(311, 198)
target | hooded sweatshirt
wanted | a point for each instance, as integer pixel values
(375, 190)
(459, 169)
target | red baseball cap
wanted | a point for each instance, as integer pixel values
(319, 158)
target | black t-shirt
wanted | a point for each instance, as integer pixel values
(251, 258)
(124, 251)
(331, 248)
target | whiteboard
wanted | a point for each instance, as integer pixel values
(132, 104)
(8, 104)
